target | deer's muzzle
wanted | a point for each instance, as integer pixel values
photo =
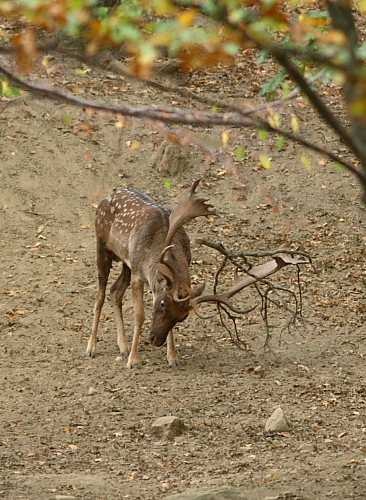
(157, 341)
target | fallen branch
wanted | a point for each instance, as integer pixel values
(266, 298)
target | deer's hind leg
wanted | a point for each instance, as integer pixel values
(117, 290)
(104, 263)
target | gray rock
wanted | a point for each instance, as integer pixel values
(213, 493)
(168, 427)
(171, 159)
(278, 422)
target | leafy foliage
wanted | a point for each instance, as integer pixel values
(303, 42)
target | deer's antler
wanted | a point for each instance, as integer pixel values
(189, 207)
(256, 274)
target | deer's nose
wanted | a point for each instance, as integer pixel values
(155, 340)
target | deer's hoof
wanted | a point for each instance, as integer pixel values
(135, 367)
(90, 355)
(125, 354)
(174, 365)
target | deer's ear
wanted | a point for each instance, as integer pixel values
(198, 291)
(165, 280)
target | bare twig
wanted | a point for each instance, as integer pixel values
(177, 115)
(268, 253)
(266, 299)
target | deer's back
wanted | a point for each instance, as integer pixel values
(131, 223)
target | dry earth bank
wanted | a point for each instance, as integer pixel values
(59, 440)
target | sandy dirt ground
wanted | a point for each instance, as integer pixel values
(76, 427)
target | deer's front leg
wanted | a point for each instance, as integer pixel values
(117, 291)
(138, 305)
(171, 352)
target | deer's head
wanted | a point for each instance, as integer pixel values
(173, 304)
(170, 309)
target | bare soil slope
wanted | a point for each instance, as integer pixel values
(57, 439)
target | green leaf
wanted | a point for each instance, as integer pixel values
(273, 83)
(285, 90)
(66, 119)
(262, 57)
(240, 154)
(231, 48)
(295, 124)
(262, 134)
(167, 184)
(306, 163)
(265, 161)
(280, 142)
(210, 7)
(237, 15)
(275, 120)
(8, 90)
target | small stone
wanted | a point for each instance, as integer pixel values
(278, 422)
(305, 448)
(259, 370)
(168, 427)
(146, 477)
(92, 391)
(64, 497)
(213, 493)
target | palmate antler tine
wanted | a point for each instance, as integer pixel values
(257, 273)
(189, 207)
(262, 271)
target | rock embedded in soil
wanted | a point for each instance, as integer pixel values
(305, 448)
(278, 422)
(168, 427)
(213, 493)
(171, 159)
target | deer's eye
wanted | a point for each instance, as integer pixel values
(162, 304)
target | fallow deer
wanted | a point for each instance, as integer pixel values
(155, 250)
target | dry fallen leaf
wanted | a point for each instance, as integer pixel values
(10, 315)
(32, 453)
